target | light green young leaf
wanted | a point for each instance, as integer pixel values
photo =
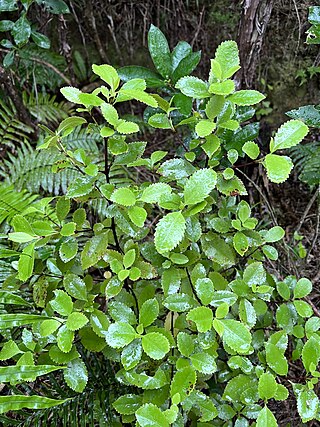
(234, 334)
(149, 312)
(62, 303)
(251, 149)
(185, 343)
(26, 262)
(120, 334)
(205, 127)
(48, 327)
(155, 345)
(137, 215)
(183, 382)
(205, 290)
(71, 94)
(202, 317)
(289, 135)
(126, 127)
(110, 114)
(267, 386)
(76, 321)
(138, 95)
(227, 56)
(199, 186)
(160, 121)
(276, 359)
(108, 74)
(76, 375)
(308, 404)
(302, 288)
(150, 415)
(311, 353)
(274, 234)
(254, 274)
(266, 418)
(9, 350)
(246, 97)
(222, 88)
(278, 167)
(169, 232)
(123, 196)
(65, 339)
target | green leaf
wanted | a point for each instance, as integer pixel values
(137, 215)
(150, 415)
(186, 65)
(276, 360)
(138, 95)
(309, 114)
(266, 418)
(183, 381)
(68, 249)
(311, 353)
(159, 51)
(204, 363)
(131, 354)
(247, 313)
(274, 234)
(289, 135)
(278, 167)
(75, 286)
(76, 375)
(160, 121)
(120, 312)
(68, 229)
(267, 386)
(81, 186)
(303, 308)
(69, 124)
(71, 94)
(308, 404)
(246, 97)
(127, 127)
(199, 186)
(40, 40)
(218, 250)
(123, 196)
(8, 321)
(227, 56)
(120, 334)
(110, 114)
(25, 372)
(93, 250)
(108, 74)
(26, 262)
(76, 321)
(251, 149)
(202, 317)
(55, 6)
(128, 404)
(21, 237)
(155, 345)
(193, 87)
(169, 232)
(234, 334)
(281, 392)
(205, 290)
(179, 302)
(149, 312)
(65, 339)
(49, 326)
(302, 288)
(205, 127)
(17, 402)
(21, 30)
(7, 297)
(8, 5)
(131, 72)
(185, 343)
(240, 243)
(254, 274)
(154, 192)
(222, 88)
(62, 303)
(9, 350)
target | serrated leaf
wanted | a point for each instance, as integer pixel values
(65, 339)
(311, 353)
(149, 312)
(9, 350)
(222, 88)
(155, 345)
(289, 135)
(185, 343)
(205, 127)
(246, 97)
(128, 404)
(62, 303)
(267, 386)
(108, 74)
(160, 121)
(266, 418)
(276, 360)
(179, 302)
(278, 167)
(49, 326)
(234, 334)
(204, 363)
(254, 274)
(227, 56)
(131, 354)
(75, 286)
(202, 317)
(123, 196)
(183, 382)
(205, 290)
(169, 232)
(193, 87)
(76, 375)
(68, 249)
(199, 186)
(76, 321)
(93, 250)
(150, 415)
(308, 404)
(274, 234)
(251, 149)
(120, 334)
(71, 94)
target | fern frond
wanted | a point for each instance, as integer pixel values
(13, 202)
(45, 109)
(12, 130)
(307, 160)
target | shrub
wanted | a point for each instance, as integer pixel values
(170, 285)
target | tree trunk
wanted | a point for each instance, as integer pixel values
(253, 24)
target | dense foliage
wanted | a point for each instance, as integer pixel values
(170, 285)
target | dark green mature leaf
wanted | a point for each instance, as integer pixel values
(159, 51)
(309, 114)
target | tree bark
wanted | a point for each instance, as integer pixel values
(253, 24)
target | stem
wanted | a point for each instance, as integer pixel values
(192, 287)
